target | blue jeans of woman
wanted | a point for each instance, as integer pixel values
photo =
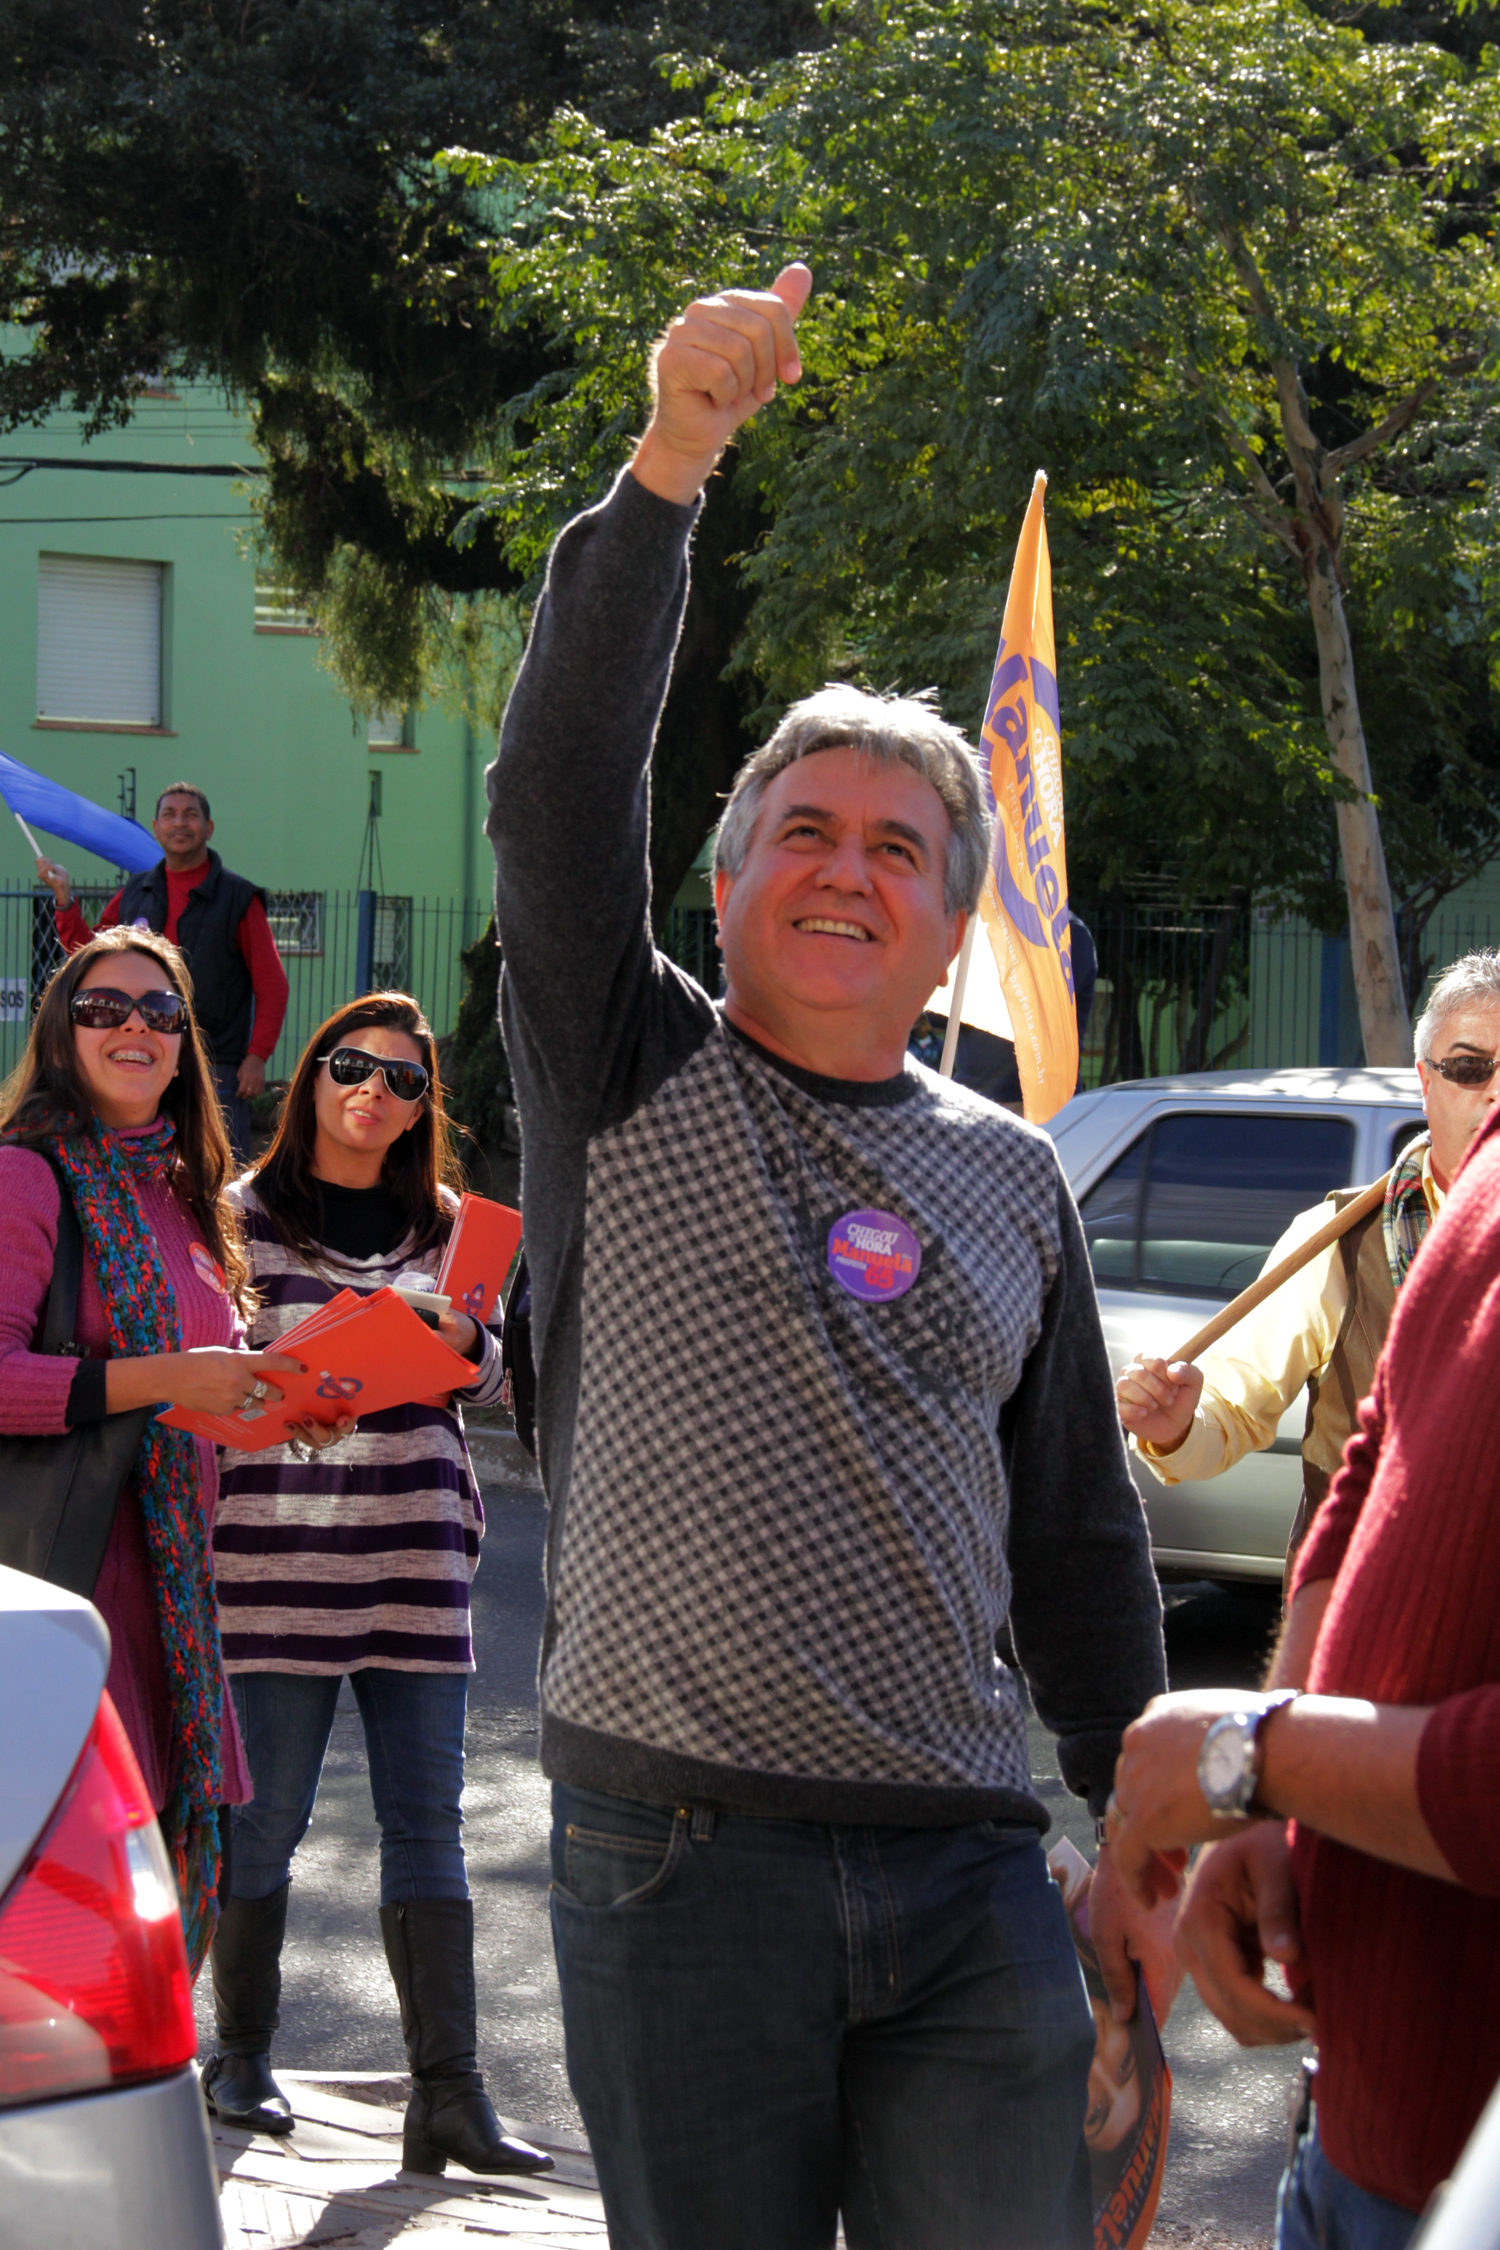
(771, 2022)
(1320, 2208)
(414, 1738)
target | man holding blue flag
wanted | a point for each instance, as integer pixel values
(822, 1400)
(219, 920)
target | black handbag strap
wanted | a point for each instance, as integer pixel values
(60, 1320)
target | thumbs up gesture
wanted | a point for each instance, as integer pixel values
(718, 362)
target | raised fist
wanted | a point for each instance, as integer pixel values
(718, 362)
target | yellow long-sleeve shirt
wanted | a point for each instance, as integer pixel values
(1287, 1338)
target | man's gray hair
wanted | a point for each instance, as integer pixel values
(893, 730)
(1472, 982)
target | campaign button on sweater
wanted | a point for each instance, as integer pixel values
(874, 1255)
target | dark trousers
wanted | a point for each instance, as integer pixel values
(414, 1736)
(769, 2023)
(236, 1111)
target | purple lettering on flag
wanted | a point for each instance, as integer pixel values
(1044, 687)
(1022, 915)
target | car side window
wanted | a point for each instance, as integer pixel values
(1111, 1215)
(1405, 1132)
(1212, 1192)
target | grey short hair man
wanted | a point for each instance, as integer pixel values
(889, 730)
(1325, 1328)
(822, 1399)
(1472, 982)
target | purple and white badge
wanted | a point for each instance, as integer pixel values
(874, 1255)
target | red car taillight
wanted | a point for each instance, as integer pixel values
(94, 1986)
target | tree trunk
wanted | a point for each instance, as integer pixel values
(1383, 1018)
(1319, 518)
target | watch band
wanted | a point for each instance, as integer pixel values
(1277, 1700)
(1235, 1799)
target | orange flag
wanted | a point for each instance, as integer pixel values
(1024, 905)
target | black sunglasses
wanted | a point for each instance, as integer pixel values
(351, 1066)
(102, 1008)
(1466, 1070)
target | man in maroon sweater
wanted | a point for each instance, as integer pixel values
(1373, 1873)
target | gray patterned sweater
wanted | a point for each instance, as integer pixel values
(786, 1520)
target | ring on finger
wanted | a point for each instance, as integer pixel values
(259, 1388)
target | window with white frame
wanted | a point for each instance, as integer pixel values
(296, 919)
(98, 641)
(389, 730)
(277, 607)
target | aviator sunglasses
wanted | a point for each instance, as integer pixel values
(104, 1008)
(351, 1066)
(1466, 1070)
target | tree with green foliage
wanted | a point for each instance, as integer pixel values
(248, 195)
(1228, 272)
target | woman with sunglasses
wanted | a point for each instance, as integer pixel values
(113, 1104)
(357, 1565)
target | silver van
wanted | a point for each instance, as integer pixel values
(1183, 1185)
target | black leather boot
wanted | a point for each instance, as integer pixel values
(429, 1943)
(246, 1960)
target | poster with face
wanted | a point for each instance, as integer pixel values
(1130, 2087)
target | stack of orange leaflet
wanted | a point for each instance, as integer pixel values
(361, 1355)
(484, 1240)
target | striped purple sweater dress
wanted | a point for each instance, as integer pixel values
(363, 1555)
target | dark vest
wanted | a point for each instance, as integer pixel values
(1333, 1397)
(223, 997)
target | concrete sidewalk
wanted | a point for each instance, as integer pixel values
(337, 2181)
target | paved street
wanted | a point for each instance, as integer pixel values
(338, 2011)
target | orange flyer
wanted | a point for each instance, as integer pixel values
(361, 1355)
(484, 1240)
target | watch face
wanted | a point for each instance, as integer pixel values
(1221, 1767)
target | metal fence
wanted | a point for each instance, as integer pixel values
(1207, 988)
(1180, 988)
(691, 937)
(334, 945)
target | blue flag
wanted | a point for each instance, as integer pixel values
(77, 820)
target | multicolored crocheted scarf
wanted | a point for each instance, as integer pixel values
(140, 1308)
(1406, 1216)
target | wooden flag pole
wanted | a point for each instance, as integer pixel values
(956, 1004)
(26, 832)
(1247, 1300)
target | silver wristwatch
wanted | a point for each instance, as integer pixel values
(1229, 1763)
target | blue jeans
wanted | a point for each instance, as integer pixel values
(236, 1110)
(1319, 2208)
(770, 2022)
(414, 1737)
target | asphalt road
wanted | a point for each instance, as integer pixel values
(338, 2009)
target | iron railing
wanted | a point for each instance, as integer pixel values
(1180, 988)
(1212, 988)
(336, 944)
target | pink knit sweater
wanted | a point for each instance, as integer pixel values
(33, 1402)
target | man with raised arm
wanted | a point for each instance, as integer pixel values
(822, 1398)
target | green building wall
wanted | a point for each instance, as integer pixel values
(250, 715)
